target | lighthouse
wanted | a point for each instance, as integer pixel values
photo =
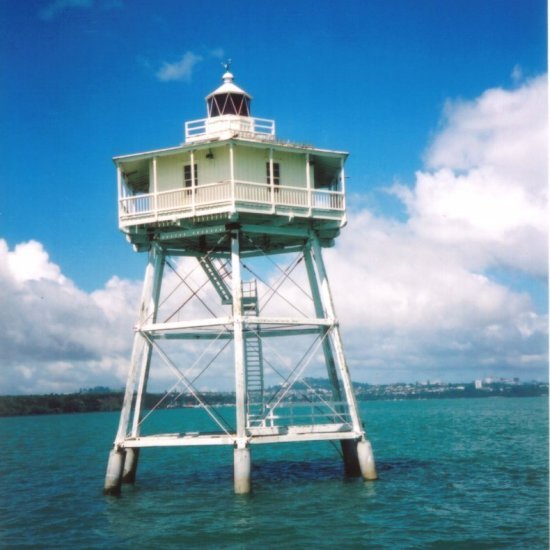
(233, 222)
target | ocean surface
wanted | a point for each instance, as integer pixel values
(463, 473)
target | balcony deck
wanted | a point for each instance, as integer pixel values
(231, 197)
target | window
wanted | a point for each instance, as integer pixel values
(229, 104)
(188, 180)
(276, 173)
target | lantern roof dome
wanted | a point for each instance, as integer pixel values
(228, 87)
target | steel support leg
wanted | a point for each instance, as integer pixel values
(137, 375)
(130, 465)
(349, 447)
(357, 461)
(113, 476)
(241, 457)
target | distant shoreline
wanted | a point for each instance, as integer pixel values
(110, 401)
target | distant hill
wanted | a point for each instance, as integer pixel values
(102, 399)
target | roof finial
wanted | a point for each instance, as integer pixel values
(227, 76)
(227, 65)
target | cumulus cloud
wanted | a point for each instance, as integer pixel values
(412, 308)
(55, 8)
(181, 69)
(484, 189)
(419, 296)
(54, 336)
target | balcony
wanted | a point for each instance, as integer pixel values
(229, 197)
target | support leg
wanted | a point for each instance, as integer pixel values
(320, 312)
(130, 465)
(113, 477)
(242, 470)
(366, 459)
(356, 456)
(241, 457)
(351, 460)
(137, 377)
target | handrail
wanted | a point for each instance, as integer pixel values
(311, 412)
(263, 127)
(223, 193)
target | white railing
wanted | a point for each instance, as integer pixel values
(246, 195)
(253, 192)
(215, 126)
(301, 413)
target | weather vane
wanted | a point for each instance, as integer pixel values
(227, 64)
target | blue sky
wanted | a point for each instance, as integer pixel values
(393, 82)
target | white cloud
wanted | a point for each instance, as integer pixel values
(418, 296)
(53, 336)
(180, 70)
(411, 308)
(30, 262)
(55, 8)
(484, 190)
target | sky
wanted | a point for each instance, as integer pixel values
(441, 272)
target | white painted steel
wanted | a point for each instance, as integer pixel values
(242, 470)
(113, 476)
(227, 126)
(199, 440)
(334, 333)
(238, 340)
(366, 459)
(185, 325)
(151, 314)
(320, 312)
(228, 196)
(140, 343)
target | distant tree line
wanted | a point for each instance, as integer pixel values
(98, 401)
(102, 399)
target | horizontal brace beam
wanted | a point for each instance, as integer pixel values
(186, 325)
(273, 230)
(306, 436)
(254, 252)
(215, 335)
(289, 321)
(179, 440)
(198, 439)
(191, 233)
(226, 322)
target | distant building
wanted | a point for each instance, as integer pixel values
(478, 384)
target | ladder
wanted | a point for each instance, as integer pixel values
(217, 275)
(254, 368)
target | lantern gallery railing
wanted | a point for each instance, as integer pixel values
(226, 196)
(211, 127)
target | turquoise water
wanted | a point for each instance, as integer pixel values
(465, 473)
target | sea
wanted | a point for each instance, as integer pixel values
(453, 473)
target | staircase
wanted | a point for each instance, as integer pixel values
(253, 351)
(254, 370)
(217, 275)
